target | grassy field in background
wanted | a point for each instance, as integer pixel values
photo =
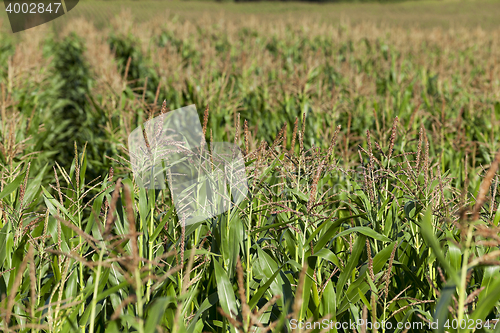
(371, 146)
(425, 14)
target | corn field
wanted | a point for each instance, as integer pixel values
(372, 156)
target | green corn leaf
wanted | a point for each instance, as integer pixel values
(156, 312)
(489, 275)
(33, 186)
(298, 194)
(207, 304)
(262, 290)
(50, 201)
(271, 226)
(454, 256)
(357, 249)
(432, 241)
(225, 290)
(352, 295)
(269, 267)
(159, 227)
(496, 219)
(307, 292)
(328, 255)
(272, 166)
(365, 231)
(327, 236)
(14, 185)
(489, 302)
(6, 245)
(143, 204)
(364, 300)
(441, 312)
(329, 300)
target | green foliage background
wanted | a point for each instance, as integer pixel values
(370, 152)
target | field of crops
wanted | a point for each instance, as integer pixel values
(371, 151)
